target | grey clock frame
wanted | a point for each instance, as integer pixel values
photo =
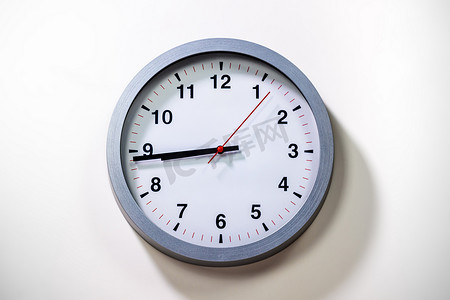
(209, 256)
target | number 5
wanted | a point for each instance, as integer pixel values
(255, 211)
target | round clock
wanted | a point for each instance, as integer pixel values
(220, 152)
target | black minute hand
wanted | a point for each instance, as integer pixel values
(186, 153)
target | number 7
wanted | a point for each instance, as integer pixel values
(182, 210)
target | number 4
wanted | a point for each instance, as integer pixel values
(283, 184)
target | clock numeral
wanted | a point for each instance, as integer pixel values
(166, 116)
(148, 148)
(283, 184)
(256, 88)
(190, 88)
(156, 184)
(256, 213)
(284, 116)
(220, 221)
(294, 152)
(183, 208)
(226, 80)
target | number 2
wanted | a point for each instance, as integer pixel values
(284, 116)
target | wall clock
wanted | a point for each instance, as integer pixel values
(220, 152)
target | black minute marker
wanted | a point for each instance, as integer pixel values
(264, 77)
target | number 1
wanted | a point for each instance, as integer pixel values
(256, 88)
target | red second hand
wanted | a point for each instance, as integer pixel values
(238, 127)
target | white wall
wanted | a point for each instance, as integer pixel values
(381, 67)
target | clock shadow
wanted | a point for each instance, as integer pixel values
(316, 263)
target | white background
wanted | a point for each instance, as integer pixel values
(381, 67)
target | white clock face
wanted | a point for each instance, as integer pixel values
(252, 189)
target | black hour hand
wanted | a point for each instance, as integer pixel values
(186, 153)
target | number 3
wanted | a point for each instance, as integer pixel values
(294, 149)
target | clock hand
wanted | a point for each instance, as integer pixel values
(239, 126)
(187, 153)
